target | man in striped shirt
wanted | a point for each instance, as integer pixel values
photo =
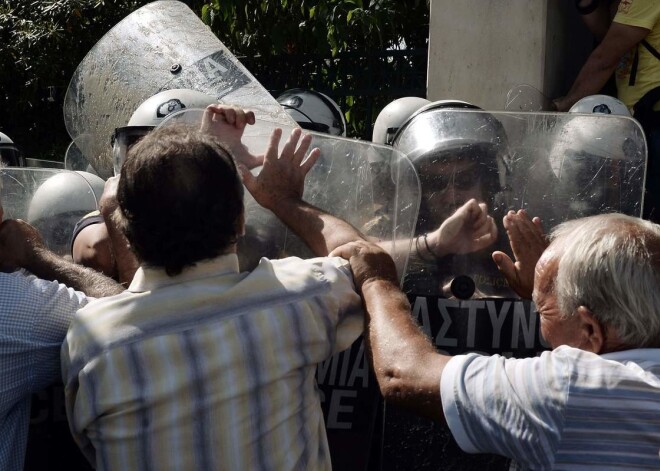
(199, 366)
(590, 403)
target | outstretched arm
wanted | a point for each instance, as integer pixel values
(601, 63)
(279, 188)
(468, 230)
(407, 366)
(527, 243)
(21, 247)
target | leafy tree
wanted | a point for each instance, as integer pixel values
(361, 53)
(324, 44)
(41, 44)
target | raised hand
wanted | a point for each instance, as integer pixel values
(282, 177)
(468, 230)
(528, 242)
(227, 123)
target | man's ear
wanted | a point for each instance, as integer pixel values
(593, 334)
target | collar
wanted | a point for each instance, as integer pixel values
(150, 278)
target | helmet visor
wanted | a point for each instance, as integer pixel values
(122, 141)
(11, 156)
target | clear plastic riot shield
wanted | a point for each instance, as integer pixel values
(373, 187)
(524, 97)
(51, 200)
(160, 46)
(557, 166)
(74, 159)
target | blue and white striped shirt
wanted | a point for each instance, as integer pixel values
(566, 409)
(211, 369)
(34, 317)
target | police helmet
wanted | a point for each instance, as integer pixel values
(603, 104)
(60, 202)
(391, 118)
(449, 128)
(9, 153)
(314, 111)
(150, 114)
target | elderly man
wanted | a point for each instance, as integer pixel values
(199, 366)
(36, 312)
(590, 403)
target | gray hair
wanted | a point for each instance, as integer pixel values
(610, 263)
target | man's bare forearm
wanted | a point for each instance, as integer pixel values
(321, 231)
(406, 364)
(49, 266)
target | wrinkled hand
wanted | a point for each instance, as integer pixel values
(284, 177)
(227, 123)
(369, 262)
(19, 245)
(468, 230)
(108, 201)
(527, 243)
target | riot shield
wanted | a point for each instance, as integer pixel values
(524, 97)
(373, 187)
(51, 200)
(160, 46)
(557, 166)
(74, 159)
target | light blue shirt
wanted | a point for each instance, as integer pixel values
(566, 409)
(34, 318)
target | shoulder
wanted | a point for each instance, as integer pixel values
(320, 271)
(641, 13)
(23, 285)
(38, 308)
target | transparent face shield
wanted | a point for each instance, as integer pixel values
(11, 156)
(53, 209)
(556, 166)
(161, 46)
(375, 188)
(122, 141)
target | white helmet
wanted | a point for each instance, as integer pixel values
(583, 138)
(585, 153)
(446, 131)
(59, 203)
(453, 130)
(95, 182)
(150, 114)
(9, 153)
(391, 118)
(603, 104)
(314, 111)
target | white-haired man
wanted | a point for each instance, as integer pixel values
(591, 402)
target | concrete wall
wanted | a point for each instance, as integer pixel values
(480, 49)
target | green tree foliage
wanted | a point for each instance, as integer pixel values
(41, 43)
(321, 44)
(361, 53)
